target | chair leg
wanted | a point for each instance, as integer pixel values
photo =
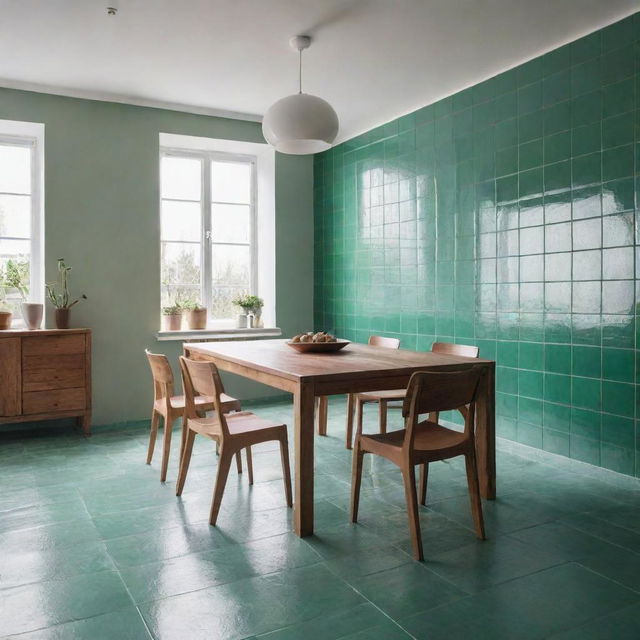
(183, 439)
(350, 410)
(356, 479)
(382, 411)
(184, 463)
(155, 419)
(221, 480)
(286, 471)
(424, 477)
(359, 408)
(323, 406)
(409, 476)
(166, 447)
(249, 464)
(474, 493)
(239, 462)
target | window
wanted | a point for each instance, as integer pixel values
(21, 218)
(208, 223)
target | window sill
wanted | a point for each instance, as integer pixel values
(215, 335)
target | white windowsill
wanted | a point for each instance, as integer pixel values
(219, 334)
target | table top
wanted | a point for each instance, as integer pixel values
(354, 361)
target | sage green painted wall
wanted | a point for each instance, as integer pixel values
(101, 214)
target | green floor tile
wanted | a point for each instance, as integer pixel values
(45, 604)
(125, 624)
(251, 606)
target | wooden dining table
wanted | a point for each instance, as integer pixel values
(356, 368)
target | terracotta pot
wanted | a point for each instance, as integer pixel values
(197, 318)
(32, 314)
(173, 322)
(62, 318)
(5, 320)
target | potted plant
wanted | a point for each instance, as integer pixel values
(254, 305)
(196, 314)
(172, 316)
(62, 300)
(246, 303)
(18, 278)
(5, 311)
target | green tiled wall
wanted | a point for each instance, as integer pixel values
(505, 216)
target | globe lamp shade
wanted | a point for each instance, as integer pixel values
(300, 124)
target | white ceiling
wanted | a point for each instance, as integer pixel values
(372, 59)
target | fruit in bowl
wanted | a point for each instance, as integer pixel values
(320, 336)
(321, 341)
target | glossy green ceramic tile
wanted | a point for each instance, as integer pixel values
(505, 216)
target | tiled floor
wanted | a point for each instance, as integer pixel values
(93, 546)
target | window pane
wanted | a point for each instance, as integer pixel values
(231, 182)
(231, 265)
(221, 298)
(172, 293)
(180, 263)
(15, 169)
(181, 221)
(18, 251)
(230, 222)
(180, 178)
(15, 216)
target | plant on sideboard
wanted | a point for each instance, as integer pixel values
(17, 277)
(59, 296)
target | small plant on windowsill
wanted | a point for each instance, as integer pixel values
(18, 278)
(59, 296)
(172, 316)
(196, 314)
(252, 307)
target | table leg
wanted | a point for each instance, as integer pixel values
(486, 435)
(304, 404)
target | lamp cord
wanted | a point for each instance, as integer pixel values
(300, 71)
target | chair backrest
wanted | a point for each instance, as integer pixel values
(434, 391)
(162, 374)
(381, 341)
(452, 349)
(202, 379)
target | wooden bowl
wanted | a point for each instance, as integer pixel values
(318, 347)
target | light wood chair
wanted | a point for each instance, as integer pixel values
(383, 398)
(322, 404)
(169, 407)
(421, 442)
(233, 432)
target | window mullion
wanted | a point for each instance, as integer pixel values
(205, 253)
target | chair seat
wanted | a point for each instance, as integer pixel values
(430, 437)
(243, 422)
(178, 402)
(376, 396)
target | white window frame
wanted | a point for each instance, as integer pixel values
(207, 237)
(31, 135)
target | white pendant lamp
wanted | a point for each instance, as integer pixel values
(301, 123)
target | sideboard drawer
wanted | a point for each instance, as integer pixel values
(45, 378)
(53, 345)
(53, 400)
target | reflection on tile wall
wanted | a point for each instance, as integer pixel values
(504, 216)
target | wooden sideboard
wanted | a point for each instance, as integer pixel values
(45, 374)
